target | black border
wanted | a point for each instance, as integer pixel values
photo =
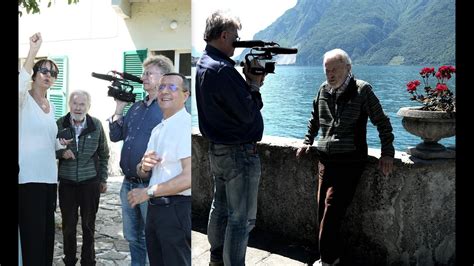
(9, 150)
(464, 129)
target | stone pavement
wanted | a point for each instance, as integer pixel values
(112, 249)
(263, 248)
(254, 256)
(110, 246)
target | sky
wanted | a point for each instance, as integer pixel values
(255, 15)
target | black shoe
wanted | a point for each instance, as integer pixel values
(70, 262)
(216, 263)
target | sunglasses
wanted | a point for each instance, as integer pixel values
(44, 71)
(171, 87)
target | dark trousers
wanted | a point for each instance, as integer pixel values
(74, 196)
(336, 188)
(36, 205)
(168, 232)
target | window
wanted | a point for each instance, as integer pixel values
(185, 64)
(57, 94)
(167, 53)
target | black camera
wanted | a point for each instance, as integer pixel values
(120, 89)
(65, 133)
(261, 50)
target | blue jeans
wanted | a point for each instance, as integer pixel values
(134, 223)
(236, 172)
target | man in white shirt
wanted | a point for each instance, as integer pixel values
(167, 162)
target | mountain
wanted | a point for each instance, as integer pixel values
(373, 32)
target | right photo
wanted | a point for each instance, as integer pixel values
(323, 132)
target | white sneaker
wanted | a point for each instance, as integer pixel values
(321, 263)
(318, 263)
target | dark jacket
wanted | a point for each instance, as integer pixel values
(343, 123)
(135, 130)
(92, 156)
(228, 111)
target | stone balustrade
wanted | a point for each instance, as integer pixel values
(406, 218)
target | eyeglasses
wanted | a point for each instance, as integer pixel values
(44, 71)
(149, 73)
(237, 38)
(171, 87)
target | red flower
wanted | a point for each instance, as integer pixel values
(426, 71)
(441, 87)
(438, 99)
(411, 86)
(444, 73)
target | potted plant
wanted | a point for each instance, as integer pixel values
(436, 118)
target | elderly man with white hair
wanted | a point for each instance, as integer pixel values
(82, 175)
(340, 112)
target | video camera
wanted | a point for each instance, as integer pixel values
(120, 89)
(261, 50)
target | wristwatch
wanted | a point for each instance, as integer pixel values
(150, 192)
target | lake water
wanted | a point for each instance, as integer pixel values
(288, 95)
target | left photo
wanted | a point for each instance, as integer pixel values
(104, 132)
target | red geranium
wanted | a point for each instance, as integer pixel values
(439, 98)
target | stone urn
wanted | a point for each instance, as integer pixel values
(431, 126)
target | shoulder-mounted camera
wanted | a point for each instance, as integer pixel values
(261, 50)
(120, 88)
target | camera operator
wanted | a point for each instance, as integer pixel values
(229, 117)
(135, 129)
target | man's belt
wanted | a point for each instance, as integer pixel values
(250, 147)
(166, 200)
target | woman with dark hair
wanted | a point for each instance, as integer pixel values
(38, 173)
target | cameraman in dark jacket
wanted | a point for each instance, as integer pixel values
(229, 117)
(82, 176)
(340, 111)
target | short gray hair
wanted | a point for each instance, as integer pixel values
(162, 62)
(337, 53)
(218, 22)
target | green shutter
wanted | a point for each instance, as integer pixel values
(132, 64)
(57, 93)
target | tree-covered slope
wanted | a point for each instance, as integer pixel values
(371, 31)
